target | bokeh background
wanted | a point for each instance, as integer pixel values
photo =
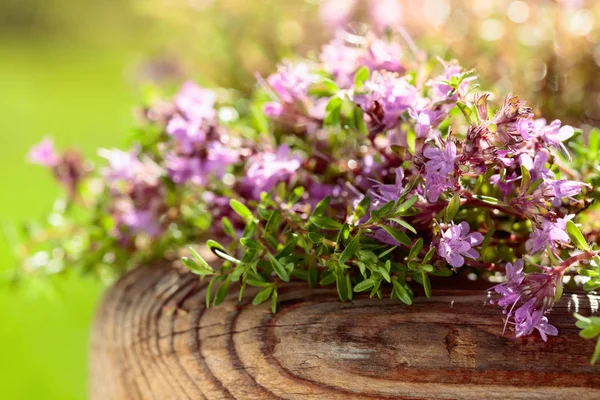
(74, 69)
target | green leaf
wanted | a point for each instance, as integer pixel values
(222, 292)
(238, 271)
(385, 273)
(401, 292)
(274, 302)
(228, 228)
(272, 225)
(525, 179)
(350, 249)
(251, 243)
(241, 294)
(220, 251)
(364, 285)
(406, 205)
(453, 207)
(596, 353)
(201, 260)
(195, 268)
(259, 120)
(359, 121)
(279, 269)
(466, 111)
(327, 278)
(361, 76)
(388, 251)
(326, 223)
(404, 224)
(209, 289)
(296, 195)
(488, 199)
(315, 237)
(361, 209)
(426, 283)
(416, 249)
(289, 247)
(241, 210)
(411, 141)
(263, 295)
(398, 235)
(428, 255)
(313, 274)
(321, 206)
(333, 111)
(341, 284)
(559, 290)
(257, 283)
(343, 236)
(594, 143)
(576, 236)
(330, 85)
(383, 212)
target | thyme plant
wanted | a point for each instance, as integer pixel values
(371, 168)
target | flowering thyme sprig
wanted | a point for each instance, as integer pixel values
(364, 170)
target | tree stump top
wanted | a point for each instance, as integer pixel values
(153, 338)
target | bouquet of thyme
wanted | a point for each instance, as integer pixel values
(370, 168)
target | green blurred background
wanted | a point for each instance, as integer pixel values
(63, 71)
(73, 69)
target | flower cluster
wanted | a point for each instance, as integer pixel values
(367, 169)
(196, 146)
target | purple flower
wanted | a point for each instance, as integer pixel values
(527, 318)
(383, 55)
(526, 298)
(510, 290)
(187, 133)
(125, 166)
(506, 187)
(425, 120)
(553, 135)
(525, 127)
(436, 184)
(336, 13)
(392, 192)
(141, 221)
(441, 90)
(561, 189)
(537, 166)
(197, 169)
(195, 103)
(43, 154)
(442, 160)
(267, 169)
(318, 191)
(197, 115)
(345, 54)
(385, 13)
(457, 243)
(273, 109)
(394, 94)
(291, 82)
(182, 169)
(548, 232)
(341, 59)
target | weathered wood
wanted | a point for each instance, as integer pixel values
(154, 339)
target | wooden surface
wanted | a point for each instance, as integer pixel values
(154, 339)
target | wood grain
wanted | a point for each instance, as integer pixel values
(154, 339)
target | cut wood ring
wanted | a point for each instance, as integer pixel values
(153, 338)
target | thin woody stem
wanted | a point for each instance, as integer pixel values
(563, 266)
(471, 200)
